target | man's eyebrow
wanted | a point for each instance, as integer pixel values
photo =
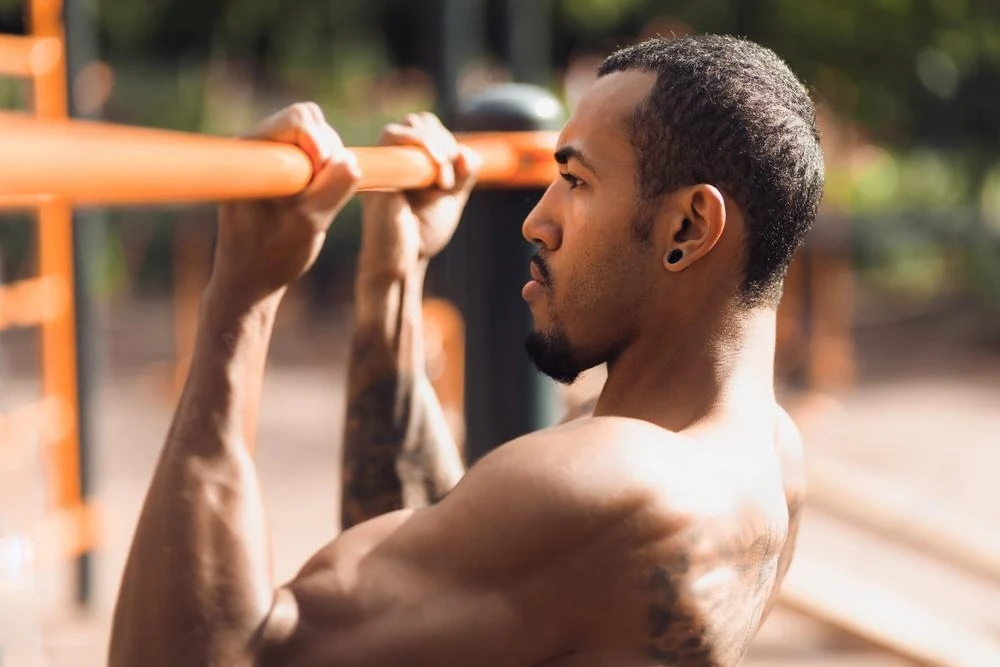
(564, 154)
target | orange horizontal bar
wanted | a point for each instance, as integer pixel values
(32, 302)
(99, 163)
(12, 202)
(29, 57)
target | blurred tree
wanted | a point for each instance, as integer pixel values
(910, 71)
(919, 77)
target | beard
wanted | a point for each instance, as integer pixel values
(552, 354)
(551, 351)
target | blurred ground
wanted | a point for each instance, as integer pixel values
(926, 415)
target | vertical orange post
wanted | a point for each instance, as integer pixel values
(444, 340)
(50, 86)
(59, 353)
(55, 244)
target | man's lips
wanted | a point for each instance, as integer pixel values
(535, 288)
(538, 271)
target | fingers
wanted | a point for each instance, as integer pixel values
(302, 125)
(335, 169)
(333, 186)
(425, 131)
(467, 169)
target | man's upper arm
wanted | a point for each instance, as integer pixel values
(450, 584)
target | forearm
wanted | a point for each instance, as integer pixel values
(197, 584)
(398, 449)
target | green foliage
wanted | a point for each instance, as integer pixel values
(911, 71)
(919, 77)
(594, 16)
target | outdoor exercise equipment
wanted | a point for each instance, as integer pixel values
(90, 163)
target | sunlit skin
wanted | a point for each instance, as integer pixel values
(582, 228)
(654, 532)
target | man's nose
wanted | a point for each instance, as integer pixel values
(540, 227)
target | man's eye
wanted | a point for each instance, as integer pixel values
(573, 181)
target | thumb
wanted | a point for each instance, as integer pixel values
(332, 186)
(467, 167)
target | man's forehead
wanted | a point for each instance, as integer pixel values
(600, 121)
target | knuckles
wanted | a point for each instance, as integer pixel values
(302, 116)
(305, 113)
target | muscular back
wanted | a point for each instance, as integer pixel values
(711, 585)
(708, 558)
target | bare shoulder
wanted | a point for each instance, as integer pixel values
(684, 556)
(504, 570)
(603, 532)
(695, 548)
(614, 460)
(607, 461)
(619, 464)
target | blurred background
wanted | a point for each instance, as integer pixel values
(889, 355)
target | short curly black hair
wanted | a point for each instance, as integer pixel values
(729, 112)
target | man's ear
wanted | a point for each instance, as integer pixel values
(696, 218)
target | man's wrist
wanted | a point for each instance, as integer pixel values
(377, 290)
(224, 309)
(379, 273)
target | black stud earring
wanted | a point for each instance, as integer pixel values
(674, 256)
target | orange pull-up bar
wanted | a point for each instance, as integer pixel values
(99, 163)
(29, 56)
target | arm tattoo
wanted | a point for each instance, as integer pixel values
(377, 421)
(398, 449)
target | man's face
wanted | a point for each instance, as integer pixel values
(593, 273)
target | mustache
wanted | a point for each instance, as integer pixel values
(543, 268)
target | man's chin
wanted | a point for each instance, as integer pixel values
(552, 355)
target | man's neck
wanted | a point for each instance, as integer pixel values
(681, 376)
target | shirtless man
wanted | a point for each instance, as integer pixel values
(655, 532)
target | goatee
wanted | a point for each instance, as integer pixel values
(552, 355)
